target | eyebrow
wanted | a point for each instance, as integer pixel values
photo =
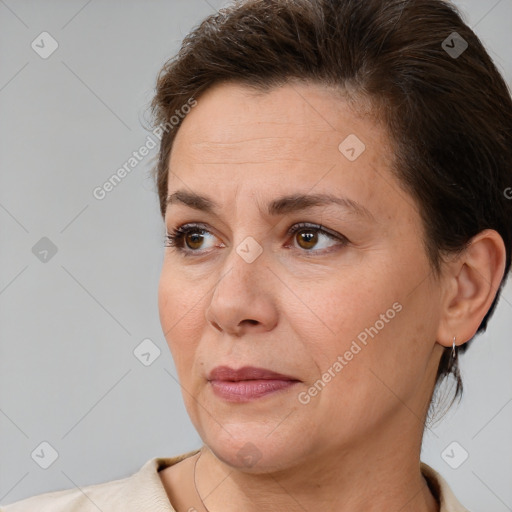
(280, 206)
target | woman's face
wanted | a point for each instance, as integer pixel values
(350, 314)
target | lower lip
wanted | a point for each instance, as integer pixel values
(247, 390)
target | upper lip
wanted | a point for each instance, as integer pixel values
(246, 373)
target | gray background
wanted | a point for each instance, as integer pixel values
(69, 326)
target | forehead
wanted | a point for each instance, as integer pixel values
(231, 116)
(291, 137)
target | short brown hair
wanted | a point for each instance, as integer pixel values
(449, 116)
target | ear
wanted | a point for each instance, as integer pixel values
(471, 282)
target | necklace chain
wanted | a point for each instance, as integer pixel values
(195, 484)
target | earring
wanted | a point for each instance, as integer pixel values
(454, 350)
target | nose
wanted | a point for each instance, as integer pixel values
(243, 299)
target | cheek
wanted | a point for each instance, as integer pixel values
(364, 315)
(385, 342)
(342, 306)
(180, 308)
(177, 294)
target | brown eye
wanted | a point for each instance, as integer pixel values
(307, 238)
(188, 239)
(194, 239)
(315, 239)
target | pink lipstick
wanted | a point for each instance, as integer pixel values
(247, 383)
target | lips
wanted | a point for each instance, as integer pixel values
(248, 383)
(225, 373)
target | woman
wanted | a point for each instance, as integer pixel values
(333, 180)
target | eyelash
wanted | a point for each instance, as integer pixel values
(175, 238)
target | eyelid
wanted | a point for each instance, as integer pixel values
(317, 227)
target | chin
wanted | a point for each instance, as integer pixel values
(253, 450)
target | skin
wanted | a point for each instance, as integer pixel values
(356, 445)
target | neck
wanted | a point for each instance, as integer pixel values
(370, 476)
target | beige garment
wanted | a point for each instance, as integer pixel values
(143, 491)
